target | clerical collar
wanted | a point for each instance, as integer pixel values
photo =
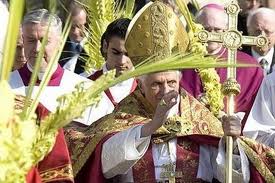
(268, 57)
(26, 72)
(123, 83)
(218, 51)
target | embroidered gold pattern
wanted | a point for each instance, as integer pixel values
(262, 157)
(57, 174)
(133, 110)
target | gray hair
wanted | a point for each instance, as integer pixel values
(45, 17)
(142, 78)
(264, 11)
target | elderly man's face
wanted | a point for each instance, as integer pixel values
(213, 20)
(249, 5)
(263, 24)
(117, 57)
(33, 34)
(20, 59)
(155, 85)
(76, 33)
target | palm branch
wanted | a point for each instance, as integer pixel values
(23, 142)
(100, 14)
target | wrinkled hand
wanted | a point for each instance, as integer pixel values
(160, 116)
(231, 126)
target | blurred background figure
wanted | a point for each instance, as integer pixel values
(247, 6)
(261, 21)
(20, 58)
(73, 55)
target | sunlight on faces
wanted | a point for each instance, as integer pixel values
(20, 59)
(117, 56)
(76, 33)
(33, 34)
(155, 85)
(263, 23)
(213, 20)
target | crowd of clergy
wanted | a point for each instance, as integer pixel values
(120, 139)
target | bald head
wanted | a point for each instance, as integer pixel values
(262, 21)
(214, 19)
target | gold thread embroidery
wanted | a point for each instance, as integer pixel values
(59, 173)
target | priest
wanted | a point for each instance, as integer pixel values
(34, 27)
(55, 166)
(262, 116)
(214, 18)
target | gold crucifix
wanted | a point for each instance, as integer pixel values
(232, 39)
(170, 173)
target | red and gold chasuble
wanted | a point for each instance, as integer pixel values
(56, 166)
(85, 143)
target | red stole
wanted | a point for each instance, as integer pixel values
(144, 170)
(187, 159)
(55, 80)
(56, 166)
(99, 73)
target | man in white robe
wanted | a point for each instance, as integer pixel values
(34, 29)
(116, 57)
(260, 123)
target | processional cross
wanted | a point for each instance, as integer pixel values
(232, 39)
(170, 173)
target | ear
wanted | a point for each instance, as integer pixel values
(104, 47)
(140, 86)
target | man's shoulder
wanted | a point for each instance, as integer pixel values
(15, 80)
(244, 57)
(270, 79)
(73, 77)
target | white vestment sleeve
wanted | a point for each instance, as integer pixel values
(240, 165)
(260, 124)
(122, 151)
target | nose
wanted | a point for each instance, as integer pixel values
(254, 3)
(165, 88)
(263, 33)
(38, 46)
(123, 59)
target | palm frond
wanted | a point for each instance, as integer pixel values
(16, 12)
(100, 14)
(71, 106)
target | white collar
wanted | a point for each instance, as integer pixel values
(104, 68)
(40, 74)
(217, 51)
(268, 56)
(123, 83)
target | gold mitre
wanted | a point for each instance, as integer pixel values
(155, 31)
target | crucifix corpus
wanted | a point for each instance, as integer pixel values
(232, 39)
(170, 173)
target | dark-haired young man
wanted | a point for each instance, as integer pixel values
(116, 57)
